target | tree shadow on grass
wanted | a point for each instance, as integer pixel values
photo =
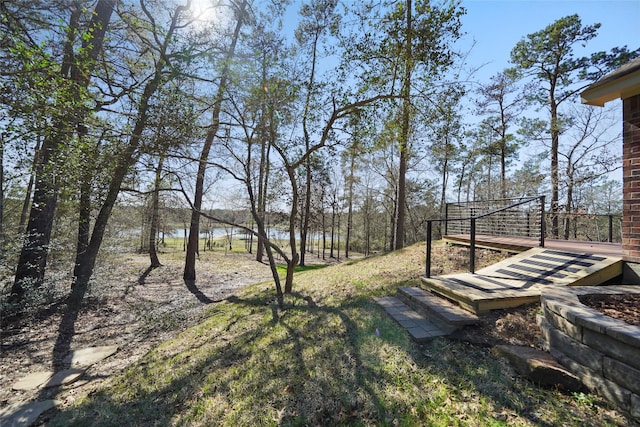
(311, 364)
(281, 385)
(143, 277)
(64, 338)
(343, 396)
(159, 406)
(191, 286)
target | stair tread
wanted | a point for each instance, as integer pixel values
(446, 310)
(417, 326)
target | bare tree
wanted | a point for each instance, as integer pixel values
(586, 157)
(212, 133)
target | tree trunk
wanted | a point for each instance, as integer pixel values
(400, 199)
(24, 214)
(404, 134)
(306, 213)
(333, 226)
(84, 205)
(263, 189)
(555, 140)
(33, 257)
(86, 261)
(295, 257)
(264, 165)
(194, 230)
(350, 206)
(443, 188)
(503, 152)
(155, 204)
(338, 247)
(569, 204)
(324, 235)
(288, 282)
(262, 235)
(367, 223)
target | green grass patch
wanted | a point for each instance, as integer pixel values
(331, 356)
(282, 269)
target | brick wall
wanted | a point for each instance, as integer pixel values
(631, 179)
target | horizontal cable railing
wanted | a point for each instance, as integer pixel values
(503, 217)
(588, 227)
(521, 217)
(506, 217)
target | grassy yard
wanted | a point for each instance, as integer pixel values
(330, 357)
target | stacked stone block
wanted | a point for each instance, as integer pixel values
(604, 352)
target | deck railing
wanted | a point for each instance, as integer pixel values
(588, 227)
(502, 217)
(522, 217)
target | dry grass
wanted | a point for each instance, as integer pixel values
(330, 357)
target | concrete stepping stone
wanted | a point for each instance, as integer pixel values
(64, 377)
(46, 379)
(88, 356)
(24, 414)
(539, 366)
(33, 380)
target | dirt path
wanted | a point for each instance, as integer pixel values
(128, 307)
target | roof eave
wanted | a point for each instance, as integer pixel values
(623, 87)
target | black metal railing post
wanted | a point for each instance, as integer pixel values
(446, 216)
(472, 248)
(543, 221)
(428, 268)
(610, 229)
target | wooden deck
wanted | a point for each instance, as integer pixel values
(521, 244)
(520, 279)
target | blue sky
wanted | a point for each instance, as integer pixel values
(497, 25)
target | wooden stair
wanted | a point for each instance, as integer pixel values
(520, 279)
(425, 316)
(452, 301)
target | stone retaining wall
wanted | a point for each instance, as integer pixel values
(604, 352)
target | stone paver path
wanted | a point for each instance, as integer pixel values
(33, 380)
(88, 356)
(25, 414)
(46, 379)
